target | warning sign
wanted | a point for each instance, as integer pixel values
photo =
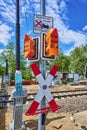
(42, 23)
(43, 92)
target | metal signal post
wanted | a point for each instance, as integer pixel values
(18, 93)
(42, 24)
(17, 36)
(42, 117)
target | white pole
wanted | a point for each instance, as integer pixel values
(85, 71)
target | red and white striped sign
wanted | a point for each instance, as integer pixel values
(44, 84)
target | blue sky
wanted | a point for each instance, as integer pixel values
(69, 18)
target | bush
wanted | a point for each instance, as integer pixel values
(70, 79)
(64, 81)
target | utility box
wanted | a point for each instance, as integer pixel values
(7, 81)
(70, 77)
(13, 94)
(76, 77)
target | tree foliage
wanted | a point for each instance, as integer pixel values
(76, 62)
(62, 62)
(79, 59)
(9, 54)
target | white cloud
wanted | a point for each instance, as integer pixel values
(85, 28)
(55, 8)
(66, 35)
(1, 50)
(70, 36)
(62, 6)
(8, 11)
(4, 34)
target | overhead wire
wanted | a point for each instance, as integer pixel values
(26, 21)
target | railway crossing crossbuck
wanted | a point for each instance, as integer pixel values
(44, 91)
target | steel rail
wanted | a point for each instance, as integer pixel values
(77, 90)
(57, 96)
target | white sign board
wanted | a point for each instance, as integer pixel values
(76, 77)
(42, 23)
(70, 75)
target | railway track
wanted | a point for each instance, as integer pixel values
(56, 94)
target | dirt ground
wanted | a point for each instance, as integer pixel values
(54, 121)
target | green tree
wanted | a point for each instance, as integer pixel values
(2, 70)
(62, 62)
(78, 59)
(9, 54)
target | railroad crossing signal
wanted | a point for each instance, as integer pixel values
(31, 47)
(44, 84)
(49, 44)
(52, 42)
